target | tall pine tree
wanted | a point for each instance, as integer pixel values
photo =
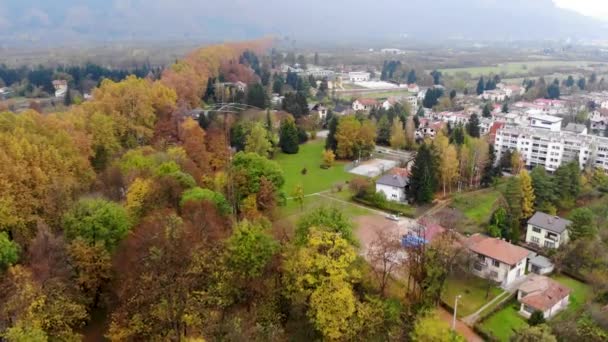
(330, 142)
(473, 126)
(423, 181)
(288, 136)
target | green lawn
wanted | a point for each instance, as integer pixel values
(580, 291)
(473, 291)
(515, 68)
(374, 94)
(504, 323)
(293, 210)
(477, 206)
(316, 179)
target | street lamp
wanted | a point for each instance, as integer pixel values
(455, 310)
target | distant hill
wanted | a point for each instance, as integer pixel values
(68, 21)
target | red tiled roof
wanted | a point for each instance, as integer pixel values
(497, 249)
(546, 293)
(368, 102)
(403, 172)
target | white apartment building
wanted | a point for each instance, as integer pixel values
(550, 149)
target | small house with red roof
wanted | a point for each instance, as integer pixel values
(540, 293)
(497, 260)
(364, 104)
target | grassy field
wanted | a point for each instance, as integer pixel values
(372, 94)
(503, 324)
(515, 68)
(477, 206)
(473, 291)
(316, 179)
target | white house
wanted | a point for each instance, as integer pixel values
(412, 101)
(393, 186)
(320, 110)
(540, 293)
(497, 259)
(388, 103)
(364, 104)
(413, 88)
(358, 76)
(61, 87)
(547, 230)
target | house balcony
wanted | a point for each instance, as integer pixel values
(554, 238)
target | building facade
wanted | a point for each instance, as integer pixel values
(547, 231)
(551, 149)
(497, 260)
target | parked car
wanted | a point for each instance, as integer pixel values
(392, 217)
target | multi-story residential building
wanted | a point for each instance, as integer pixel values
(497, 259)
(547, 230)
(551, 149)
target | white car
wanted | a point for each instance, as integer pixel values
(392, 217)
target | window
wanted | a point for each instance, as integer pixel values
(549, 244)
(495, 263)
(494, 274)
(535, 240)
(481, 257)
(529, 309)
(536, 230)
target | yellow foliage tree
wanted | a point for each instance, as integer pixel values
(134, 105)
(527, 191)
(137, 197)
(328, 159)
(44, 164)
(397, 135)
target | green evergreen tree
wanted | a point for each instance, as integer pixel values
(383, 136)
(411, 77)
(473, 126)
(481, 86)
(330, 142)
(288, 136)
(487, 111)
(423, 181)
(256, 96)
(513, 196)
(67, 99)
(570, 81)
(457, 136)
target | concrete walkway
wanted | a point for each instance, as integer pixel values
(506, 295)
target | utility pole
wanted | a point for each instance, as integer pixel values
(455, 311)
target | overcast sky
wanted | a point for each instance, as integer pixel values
(594, 8)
